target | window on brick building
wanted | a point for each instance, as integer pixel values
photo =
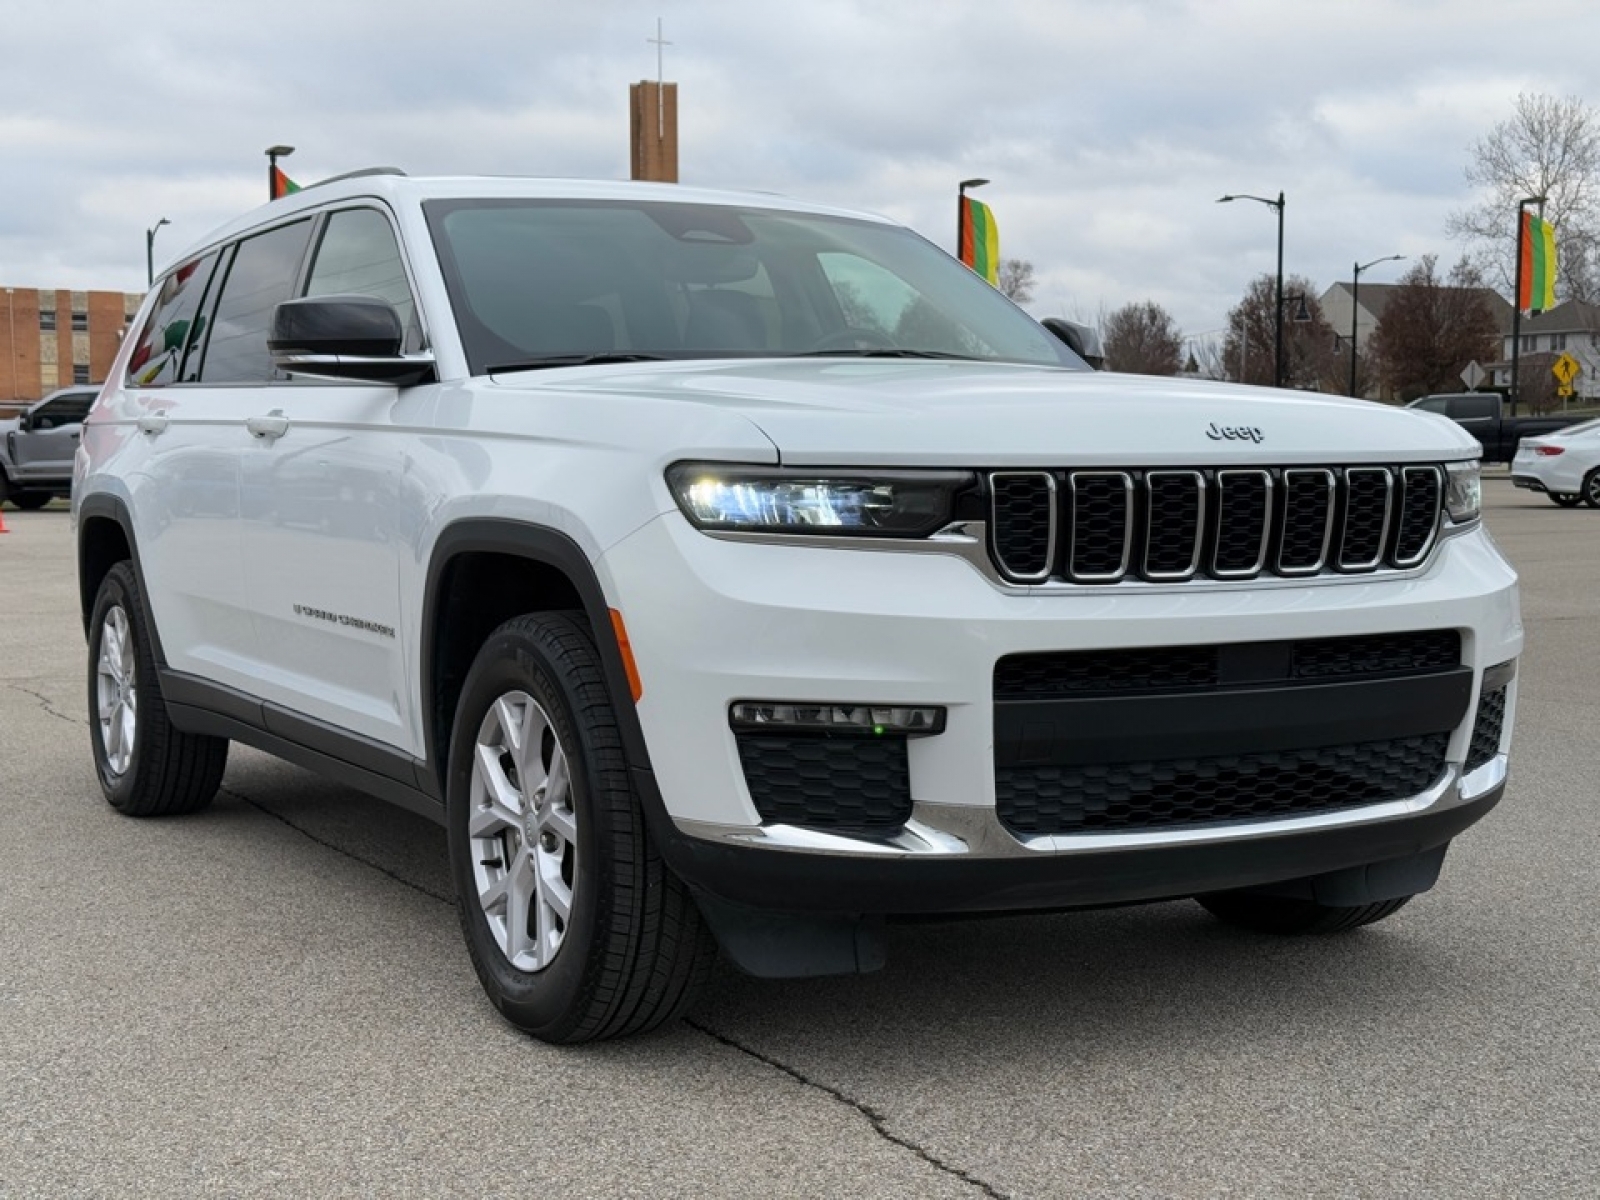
(47, 320)
(80, 322)
(80, 372)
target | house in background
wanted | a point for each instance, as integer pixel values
(53, 338)
(1370, 301)
(1571, 327)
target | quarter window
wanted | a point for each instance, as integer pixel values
(173, 324)
(260, 278)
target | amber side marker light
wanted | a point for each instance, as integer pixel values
(626, 647)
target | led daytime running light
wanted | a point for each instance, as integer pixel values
(873, 720)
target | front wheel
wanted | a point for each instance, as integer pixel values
(146, 767)
(576, 928)
(1287, 915)
(30, 501)
(1566, 499)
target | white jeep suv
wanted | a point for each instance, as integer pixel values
(726, 571)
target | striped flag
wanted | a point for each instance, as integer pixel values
(980, 240)
(1538, 250)
(282, 185)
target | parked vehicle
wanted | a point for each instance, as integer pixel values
(1483, 415)
(36, 449)
(729, 571)
(1564, 465)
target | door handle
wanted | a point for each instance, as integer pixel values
(273, 425)
(153, 424)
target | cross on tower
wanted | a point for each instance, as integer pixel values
(661, 109)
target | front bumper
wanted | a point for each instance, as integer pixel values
(714, 621)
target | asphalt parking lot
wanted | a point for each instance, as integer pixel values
(273, 998)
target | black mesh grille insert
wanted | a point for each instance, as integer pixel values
(1307, 521)
(1366, 517)
(1176, 515)
(1486, 729)
(1024, 522)
(1244, 515)
(847, 785)
(1069, 673)
(1100, 525)
(1421, 493)
(1131, 796)
(1381, 654)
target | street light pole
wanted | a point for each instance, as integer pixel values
(1355, 308)
(274, 153)
(1516, 303)
(150, 251)
(1277, 342)
(961, 215)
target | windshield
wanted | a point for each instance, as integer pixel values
(536, 282)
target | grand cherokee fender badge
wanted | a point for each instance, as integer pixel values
(333, 618)
(1234, 433)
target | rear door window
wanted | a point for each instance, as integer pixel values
(261, 276)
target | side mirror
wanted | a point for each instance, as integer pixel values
(1082, 340)
(346, 338)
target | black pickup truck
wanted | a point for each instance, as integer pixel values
(1482, 414)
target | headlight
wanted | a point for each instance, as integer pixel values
(833, 503)
(1463, 491)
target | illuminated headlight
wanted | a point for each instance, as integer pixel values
(862, 720)
(1463, 492)
(836, 503)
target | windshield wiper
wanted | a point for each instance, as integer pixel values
(885, 352)
(573, 360)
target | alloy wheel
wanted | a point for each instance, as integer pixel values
(523, 831)
(116, 691)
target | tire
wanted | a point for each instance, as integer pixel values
(146, 767)
(30, 501)
(576, 928)
(1286, 915)
(1566, 499)
(1591, 488)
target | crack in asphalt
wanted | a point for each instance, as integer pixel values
(877, 1120)
(334, 846)
(879, 1123)
(44, 703)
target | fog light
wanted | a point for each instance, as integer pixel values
(862, 720)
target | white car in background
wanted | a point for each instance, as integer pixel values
(1564, 465)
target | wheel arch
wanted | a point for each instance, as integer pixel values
(482, 573)
(105, 538)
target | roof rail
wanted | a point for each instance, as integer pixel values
(354, 175)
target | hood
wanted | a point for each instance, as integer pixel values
(888, 412)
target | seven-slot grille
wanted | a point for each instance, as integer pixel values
(1172, 525)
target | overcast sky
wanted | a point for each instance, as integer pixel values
(1108, 128)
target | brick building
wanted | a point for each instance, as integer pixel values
(51, 338)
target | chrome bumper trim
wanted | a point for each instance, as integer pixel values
(971, 831)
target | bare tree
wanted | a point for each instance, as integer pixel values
(1549, 147)
(1431, 329)
(1142, 339)
(1016, 279)
(1311, 356)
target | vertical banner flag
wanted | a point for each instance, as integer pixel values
(282, 185)
(1538, 251)
(980, 240)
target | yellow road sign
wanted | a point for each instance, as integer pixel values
(1565, 369)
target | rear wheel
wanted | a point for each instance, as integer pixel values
(29, 501)
(1287, 915)
(1591, 488)
(575, 926)
(147, 768)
